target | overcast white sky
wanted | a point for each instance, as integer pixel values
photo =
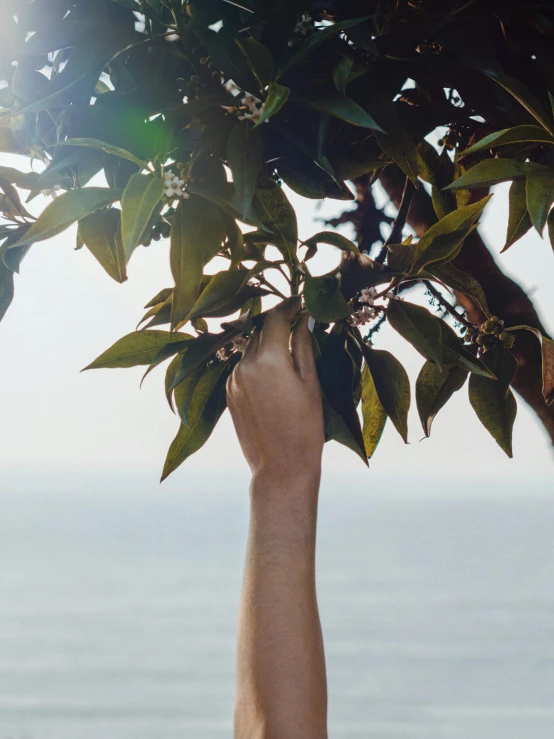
(56, 421)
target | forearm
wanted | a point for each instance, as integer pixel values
(281, 682)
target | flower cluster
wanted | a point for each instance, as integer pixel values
(51, 192)
(304, 26)
(174, 186)
(363, 316)
(252, 108)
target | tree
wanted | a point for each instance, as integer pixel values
(166, 98)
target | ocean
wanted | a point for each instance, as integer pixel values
(118, 611)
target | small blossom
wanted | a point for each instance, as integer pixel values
(51, 192)
(252, 108)
(363, 316)
(174, 186)
(222, 354)
(368, 295)
(304, 26)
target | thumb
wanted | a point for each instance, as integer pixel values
(302, 349)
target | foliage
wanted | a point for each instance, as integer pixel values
(198, 112)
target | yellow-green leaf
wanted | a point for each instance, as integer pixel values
(140, 201)
(373, 413)
(137, 348)
(392, 385)
(101, 234)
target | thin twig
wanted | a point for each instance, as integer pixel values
(399, 224)
(446, 305)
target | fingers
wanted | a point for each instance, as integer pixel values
(302, 349)
(275, 336)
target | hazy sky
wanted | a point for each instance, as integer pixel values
(57, 421)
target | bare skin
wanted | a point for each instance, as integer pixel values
(275, 403)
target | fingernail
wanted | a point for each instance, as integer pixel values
(311, 324)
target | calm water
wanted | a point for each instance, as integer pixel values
(117, 614)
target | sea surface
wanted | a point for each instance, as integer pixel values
(118, 612)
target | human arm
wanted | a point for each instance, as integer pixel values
(275, 402)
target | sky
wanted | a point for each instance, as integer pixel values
(59, 422)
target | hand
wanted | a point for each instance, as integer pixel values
(275, 399)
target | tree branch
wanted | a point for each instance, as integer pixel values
(505, 297)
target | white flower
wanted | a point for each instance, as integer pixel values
(368, 295)
(223, 354)
(252, 108)
(174, 186)
(304, 26)
(363, 316)
(51, 192)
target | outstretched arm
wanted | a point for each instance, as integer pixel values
(275, 402)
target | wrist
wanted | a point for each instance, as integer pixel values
(285, 478)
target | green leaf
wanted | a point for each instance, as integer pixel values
(106, 148)
(444, 239)
(434, 388)
(547, 346)
(206, 407)
(524, 96)
(139, 202)
(160, 297)
(418, 326)
(398, 144)
(343, 108)
(347, 69)
(462, 282)
(324, 300)
(493, 401)
(197, 233)
(101, 234)
(454, 352)
(540, 196)
(219, 292)
(334, 239)
(373, 413)
(551, 228)
(315, 40)
(67, 209)
(277, 96)
(278, 216)
(488, 173)
(138, 348)
(259, 60)
(392, 385)
(184, 394)
(245, 155)
(526, 134)
(519, 221)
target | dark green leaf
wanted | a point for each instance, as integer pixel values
(259, 60)
(219, 292)
(398, 144)
(540, 196)
(343, 108)
(551, 228)
(524, 96)
(434, 388)
(334, 239)
(207, 404)
(324, 300)
(139, 202)
(278, 217)
(316, 39)
(488, 173)
(444, 239)
(138, 348)
(392, 385)
(277, 96)
(547, 346)
(418, 326)
(373, 413)
(519, 221)
(101, 234)
(244, 155)
(67, 209)
(462, 282)
(518, 135)
(197, 234)
(493, 401)
(106, 148)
